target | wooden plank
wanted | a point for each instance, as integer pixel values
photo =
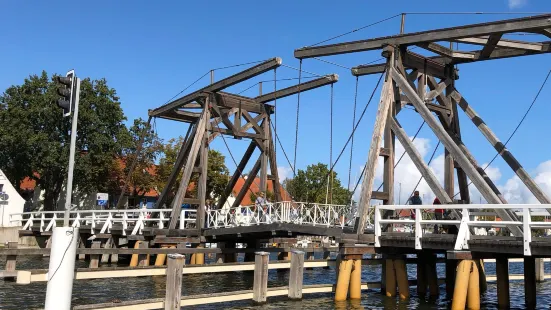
(190, 163)
(522, 45)
(444, 51)
(285, 92)
(202, 186)
(273, 164)
(380, 121)
(380, 195)
(296, 275)
(217, 86)
(501, 149)
(456, 152)
(389, 142)
(236, 175)
(490, 46)
(174, 281)
(444, 34)
(417, 160)
(260, 282)
(94, 258)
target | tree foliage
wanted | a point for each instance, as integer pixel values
(310, 185)
(34, 137)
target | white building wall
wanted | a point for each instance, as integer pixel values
(15, 203)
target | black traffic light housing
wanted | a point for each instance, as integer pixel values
(67, 92)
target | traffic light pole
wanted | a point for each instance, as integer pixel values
(69, 196)
(61, 270)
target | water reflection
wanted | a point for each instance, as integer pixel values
(32, 296)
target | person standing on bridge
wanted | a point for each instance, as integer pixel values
(261, 206)
(414, 200)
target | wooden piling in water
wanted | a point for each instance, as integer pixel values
(355, 287)
(390, 278)
(174, 268)
(502, 277)
(481, 275)
(94, 258)
(529, 282)
(473, 293)
(105, 257)
(143, 259)
(11, 260)
(134, 258)
(451, 266)
(402, 278)
(540, 270)
(260, 282)
(461, 285)
(343, 280)
(296, 275)
(421, 275)
(200, 257)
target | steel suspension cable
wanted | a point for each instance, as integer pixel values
(353, 131)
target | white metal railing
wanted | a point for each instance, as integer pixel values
(102, 221)
(469, 219)
(282, 212)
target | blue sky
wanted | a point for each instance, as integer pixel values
(149, 51)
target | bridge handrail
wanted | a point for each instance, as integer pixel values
(467, 221)
(103, 219)
(280, 212)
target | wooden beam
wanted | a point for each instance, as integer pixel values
(387, 95)
(246, 186)
(490, 46)
(188, 169)
(240, 102)
(417, 160)
(444, 51)
(546, 32)
(439, 89)
(501, 149)
(435, 108)
(521, 45)
(444, 34)
(436, 64)
(217, 86)
(202, 186)
(182, 155)
(273, 164)
(236, 175)
(456, 152)
(322, 81)
(380, 195)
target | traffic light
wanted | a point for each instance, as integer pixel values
(67, 92)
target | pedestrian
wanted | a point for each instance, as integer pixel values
(208, 208)
(438, 214)
(414, 200)
(261, 205)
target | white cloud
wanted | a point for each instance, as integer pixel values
(284, 173)
(515, 4)
(406, 177)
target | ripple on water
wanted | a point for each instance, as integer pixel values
(32, 296)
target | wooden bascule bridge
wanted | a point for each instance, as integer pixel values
(432, 86)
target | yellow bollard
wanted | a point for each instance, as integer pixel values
(402, 278)
(345, 268)
(356, 280)
(463, 273)
(390, 278)
(134, 259)
(473, 293)
(200, 257)
(160, 259)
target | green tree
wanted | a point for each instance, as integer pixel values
(34, 137)
(310, 185)
(218, 174)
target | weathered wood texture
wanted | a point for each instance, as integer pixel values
(450, 145)
(174, 281)
(11, 260)
(94, 258)
(367, 184)
(296, 275)
(260, 282)
(188, 169)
